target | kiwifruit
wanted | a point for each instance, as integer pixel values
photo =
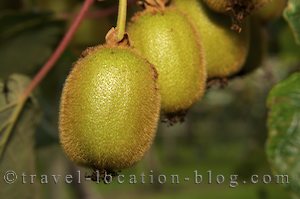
(237, 9)
(169, 41)
(225, 50)
(258, 47)
(223, 6)
(272, 10)
(56, 6)
(220, 6)
(91, 31)
(109, 108)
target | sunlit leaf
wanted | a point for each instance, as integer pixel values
(292, 15)
(283, 147)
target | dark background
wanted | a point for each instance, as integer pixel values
(226, 132)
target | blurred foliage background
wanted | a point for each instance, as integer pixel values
(226, 132)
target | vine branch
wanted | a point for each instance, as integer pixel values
(99, 13)
(59, 50)
(9, 125)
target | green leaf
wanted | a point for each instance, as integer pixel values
(19, 152)
(292, 15)
(283, 146)
(27, 41)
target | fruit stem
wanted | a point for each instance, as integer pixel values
(41, 74)
(121, 23)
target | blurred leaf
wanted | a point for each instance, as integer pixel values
(283, 147)
(290, 51)
(49, 99)
(27, 40)
(57, 6)
(14, 22)
(9, 4)
(19, 151)
(292, 15)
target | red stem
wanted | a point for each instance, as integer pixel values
(107, 11)
(97, 13)
(59, 50)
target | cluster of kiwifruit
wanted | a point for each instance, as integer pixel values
(112, 99)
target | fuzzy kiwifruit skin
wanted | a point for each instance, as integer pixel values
(222, 6)
(109, 108)
(217, 5)
(225, 50)
(271, 11)
(169, 41)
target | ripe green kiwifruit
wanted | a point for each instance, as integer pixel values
(109, 108)
(272, 10)
(237, 9)
(223, 6)
(91, 30)
(235, 6)
(258, 47)
(225, 50)
(169, 41)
